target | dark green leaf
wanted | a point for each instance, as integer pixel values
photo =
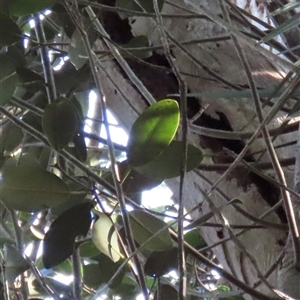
(168, 164)
(138, 42)
(152, 132)
(161, 263)
(9, 31)
(30, 188)
(7, 87)
(60, 123)
(167, 292)
(27, 7)
(134, 181)
(11, 137)
(95, 275)
(145, 226)
(138, 5)
(15, 263)
(77, 49)
(59, 240)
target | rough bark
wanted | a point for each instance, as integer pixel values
(257, 194)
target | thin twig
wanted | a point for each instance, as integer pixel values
(47, 68)
(271, 151)
(184, 128)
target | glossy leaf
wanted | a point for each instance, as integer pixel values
(9, 31)
(15, 263)
(152, 132)
(27, 7)
(105, 237)
(168, 164)
(30, 188)
(59, 240)
(60, 123)
(161, 263)
(145, 226)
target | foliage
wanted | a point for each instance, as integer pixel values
(48, 195)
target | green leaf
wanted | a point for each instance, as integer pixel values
(135, 182)
(15, 263)
(10, 33)
(30, 188)
(7, 87)
(152, 132)
(77, 50)
(60, 123)
(105, 237)
(11, 137)
(137, 42)
(27, 7)
(95, 275)
(144, 226)
(161, 263)
(168, 164)
(88, 249)
(166, 292)
(137, 5)
(59, 240)
(194, 239)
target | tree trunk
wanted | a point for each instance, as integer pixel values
(203, 61)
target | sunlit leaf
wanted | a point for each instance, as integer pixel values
(27, 7)
(105, 237)
(59, 240)
(145, 228)
(30, 188)
(60, 123)
(152, 132)
(168, 164)
(9, 31)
